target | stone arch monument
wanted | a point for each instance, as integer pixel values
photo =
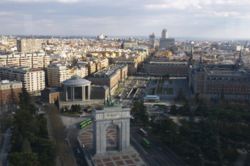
(111, 129)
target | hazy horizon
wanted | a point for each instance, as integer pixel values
(211, 19)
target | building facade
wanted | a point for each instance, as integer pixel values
(133, 60)
(30, 60)
(9, 92)
(99, 92)
(50, 95)
(110, 77)
(57, 73)
(33, 79)
(29, 45)
(166, 43)
(221, 82)
(97, 65)
(170, 68)
(152, 40)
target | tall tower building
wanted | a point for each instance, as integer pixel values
(152, 40)
(166, 43)
(29, 45)
(164, 34)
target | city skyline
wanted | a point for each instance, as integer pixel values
(87, 82)
(226, 19)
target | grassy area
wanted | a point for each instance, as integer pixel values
(213, 140)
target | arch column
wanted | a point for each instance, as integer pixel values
(83, 93)
(72, 93)
(89, 91)
(66, 93)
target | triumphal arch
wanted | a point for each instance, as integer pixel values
(111, 130)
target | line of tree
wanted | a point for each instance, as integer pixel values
(73, 109)
(139, 112)
(212, 140)
(30, 144)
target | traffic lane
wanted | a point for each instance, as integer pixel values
(72, 134)
(144, 155)
(167, 151)
(5, 147)
(150, 156)
(156, 152)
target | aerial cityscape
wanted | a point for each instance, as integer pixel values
(108, 83)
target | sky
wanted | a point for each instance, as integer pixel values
(182, 18)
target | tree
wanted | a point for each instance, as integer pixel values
(181, 96)
(23, 159)
(173, 109)
(30, 145)
(140, 113)
(197, 97)
(24, 99)
(75, 108)
(26, 147)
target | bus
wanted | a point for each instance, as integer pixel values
(143, 132)
(151, 98)
(145, 143)
(85, 124)
(85, 121)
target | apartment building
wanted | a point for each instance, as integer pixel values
(110, 76)
(29, 45)
(132, 60)
(57, 73)
(30, 60)
(9, 92)
(97, 65)
(33, 79)
(221, 81)
(170, 68)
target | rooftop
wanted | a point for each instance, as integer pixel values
(2, 82)
(21, 69)
(76, 80)
(109, 71)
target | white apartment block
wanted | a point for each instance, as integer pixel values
(33, 79)
(57, 73)
(30, 60)
(29, 45)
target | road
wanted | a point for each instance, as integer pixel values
(5, 148)
(72, 134)
(65, 155)
(157, 154)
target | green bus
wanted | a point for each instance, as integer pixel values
(145, 143)
(85, 121)
(85, 124)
